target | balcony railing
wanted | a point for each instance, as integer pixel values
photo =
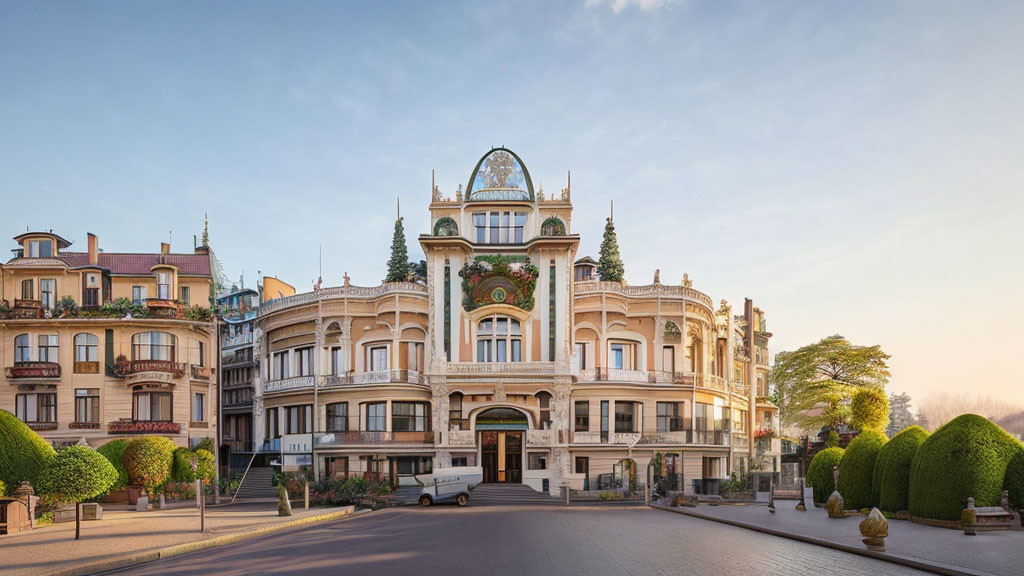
(663, 290)
(33, 370)
(590, 437)
(703, 437)
(238, 340)
(501, 367)
(201, 372)
(375, 377)
(129, 367)
(372, 438)
(87, 367)
(129, 426)
(659, 377)
(286, 384)
(602, 374)
(164, 307)
(27, 309)
(42, 426)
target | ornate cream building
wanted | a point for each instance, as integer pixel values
(514, 357)
(100, 345)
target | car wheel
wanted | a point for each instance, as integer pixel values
(425, 500)
(462, 499)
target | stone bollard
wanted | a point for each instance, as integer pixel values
(27, 494)
(834, 505)
(142, 504)
(801, 505)
(284, 506)
(874, 529)
(163, 501)
(771, 497)
(969, 518)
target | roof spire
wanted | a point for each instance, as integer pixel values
(611, 214)
(206, 230)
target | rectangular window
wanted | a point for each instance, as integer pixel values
(151, 406)
(304, 361)
(410, 417)
(377, 417)
(163, 286)
(704, 416)
(280, 365)
(40, 249)
(378, 358)
(22, 348)
(336, 361)
(483, 350)
(336, 467)
(199, 407)
(618, 356)
(36, 407)
(517, 350)
(545, 410)
(86, 348)
(273, 430)
(455, 411)
(604, 420)
(625, 417)
(87, 405)
(582, 465)
(185, 295)
(28, 290)
(298, 419)
(502, 351)
(337, 417)
(505, 225)
(48, 292)
(582, 418)
(138, 295)
(581, 355)
(495, 226)
(518, 226)
(672, 416)
(460, 461)
(91, 297)
(48, 348)
(480, 225)
(537, 461)
(668, 359)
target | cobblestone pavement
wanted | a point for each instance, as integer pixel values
(1000, 553)
(54, 548)
(591, 541)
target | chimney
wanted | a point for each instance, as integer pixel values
(94, 257)
(165, 248)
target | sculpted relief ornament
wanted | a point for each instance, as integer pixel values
(492, 280)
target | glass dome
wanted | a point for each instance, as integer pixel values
(500, 175)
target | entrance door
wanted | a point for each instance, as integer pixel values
(513, 457)
(489, 455)
(501, 456)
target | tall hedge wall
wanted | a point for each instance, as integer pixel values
(891, 484)
(1014, 481)
(857, 469)
(967, 457)
(113, 451)
(23, 454)
(819, 472)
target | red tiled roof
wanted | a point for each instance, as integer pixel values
(188, 264)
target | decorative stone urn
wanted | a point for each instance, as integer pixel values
(284, 506)
(874, 529)
(834, 505)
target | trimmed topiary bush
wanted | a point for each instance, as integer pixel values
(832, 440)
(205, 465)
(857, 469)
(869, 409)
(76, 474)
(819, 472)
(2, 488)
(967, 457)
(206, 444)
(23, 454)
(148, 461)
(114, 452)
(1014, 481)
(891, 484)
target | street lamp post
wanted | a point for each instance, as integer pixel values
(200, 493)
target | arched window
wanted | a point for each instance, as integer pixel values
(153, 346)
(22, 348)
(544, 399)
(86, 348)
(552, 227)
(499, 339)
(455, 418)
(445, 226)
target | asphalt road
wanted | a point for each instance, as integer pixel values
(591, 541)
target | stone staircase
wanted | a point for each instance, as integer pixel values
(257, 486)
(509, 495)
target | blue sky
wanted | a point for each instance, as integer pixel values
(855, 167)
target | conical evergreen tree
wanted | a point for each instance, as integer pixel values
(398, 265)
(609, 265)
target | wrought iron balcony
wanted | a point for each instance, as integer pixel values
(129, 426)
(164, 307)
(375, 377)
(33, 371)
(129, 367)
(500, 367)
(289, 384)
(373, 438)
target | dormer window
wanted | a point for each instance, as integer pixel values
(39, 248)
(163, 286)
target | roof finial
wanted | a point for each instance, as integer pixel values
(398, 207)
(611, 214)
(206, 230)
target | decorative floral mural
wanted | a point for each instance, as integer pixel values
(498, 280)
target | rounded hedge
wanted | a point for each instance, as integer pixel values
(857, 469)
(819, 472)
(113, 451)
(1014, 481)
(148, 461)
(2, 488)
(967, 457)
(23, 454)
(77, 473)
(869, 409)
(891, 484)
(205, 465)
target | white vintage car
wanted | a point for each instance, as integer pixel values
(450, 484)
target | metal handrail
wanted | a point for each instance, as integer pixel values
(244, 474)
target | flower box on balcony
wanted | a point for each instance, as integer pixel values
(84, 425)
(129, 367)
(129, 426)
(198, 424)
(164, 308)
(87, 367)
(33, 370)
(42, 425)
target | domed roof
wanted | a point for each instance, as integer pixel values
(500, 175)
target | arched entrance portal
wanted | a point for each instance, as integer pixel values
(500, 433)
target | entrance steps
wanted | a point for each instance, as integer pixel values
(509, 495)
(257, 486)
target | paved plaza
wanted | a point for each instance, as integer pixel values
(527, 541)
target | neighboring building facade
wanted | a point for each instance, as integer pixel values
(514, 357)
(99, 345)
